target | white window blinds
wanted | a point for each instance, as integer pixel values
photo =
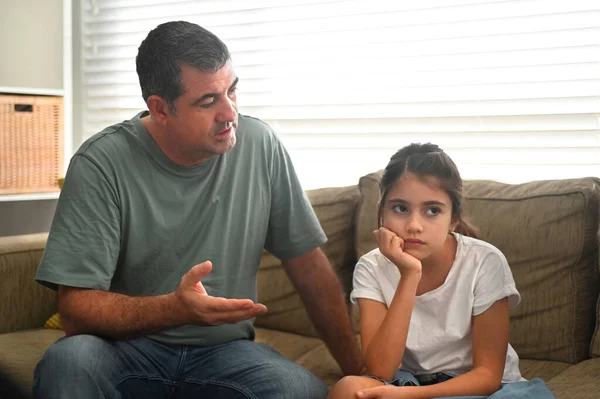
(510, 89)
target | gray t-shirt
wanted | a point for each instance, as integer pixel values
(131, 221)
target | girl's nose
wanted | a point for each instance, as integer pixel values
(414, 225)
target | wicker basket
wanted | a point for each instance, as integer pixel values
(31, 144)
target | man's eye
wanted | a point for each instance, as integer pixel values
(207, 105)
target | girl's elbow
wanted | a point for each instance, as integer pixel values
(493, 382)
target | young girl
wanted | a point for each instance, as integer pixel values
(434, 300)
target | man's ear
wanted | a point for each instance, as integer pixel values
(159, 109)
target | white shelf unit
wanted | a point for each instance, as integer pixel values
(28, 197)
(32, 91)
(66, 94)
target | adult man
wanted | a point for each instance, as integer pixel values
(144, 201)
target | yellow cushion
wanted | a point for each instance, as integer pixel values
(54, 322)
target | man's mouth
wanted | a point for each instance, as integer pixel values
(225, 133)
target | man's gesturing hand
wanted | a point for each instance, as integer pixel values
(205, 309)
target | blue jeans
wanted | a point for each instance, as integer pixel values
(86, 366)
(404, 378)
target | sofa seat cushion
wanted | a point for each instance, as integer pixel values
(579, 381)
(22, 350)
(545, 370)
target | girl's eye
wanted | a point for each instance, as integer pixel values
(433, 211)
(400, 208)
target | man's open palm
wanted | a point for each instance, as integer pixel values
(210, 310)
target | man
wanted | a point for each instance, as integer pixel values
(188, 182)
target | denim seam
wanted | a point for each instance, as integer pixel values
(226, 384)
(182, 361)
(122, 379)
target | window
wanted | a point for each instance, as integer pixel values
(510, 89)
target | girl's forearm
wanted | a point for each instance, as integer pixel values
(477, 382)
(386, 349)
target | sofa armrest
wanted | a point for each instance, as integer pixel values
(24, 304)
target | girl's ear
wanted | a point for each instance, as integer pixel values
(453, 225)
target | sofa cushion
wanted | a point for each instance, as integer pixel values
(24, 303)
(577, 382)
(26, 350)
(548, 232)
(366, 213)
(543, 369)
(335, 209)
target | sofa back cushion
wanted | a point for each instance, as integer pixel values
(24, 304)
(548, 231)
(335, 208)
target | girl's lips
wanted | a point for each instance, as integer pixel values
(413, 243)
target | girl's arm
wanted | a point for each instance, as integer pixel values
(490, 345)
(384, 331)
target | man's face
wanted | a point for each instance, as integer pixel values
(205, 119)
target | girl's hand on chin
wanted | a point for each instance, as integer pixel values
(392, 247)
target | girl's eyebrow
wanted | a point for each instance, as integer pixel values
(427, 203)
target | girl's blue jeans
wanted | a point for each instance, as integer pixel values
(534, 389)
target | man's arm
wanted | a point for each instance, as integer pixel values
(86, 311)
(320, 290)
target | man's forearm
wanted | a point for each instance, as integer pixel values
(322, 296)
(117, 316)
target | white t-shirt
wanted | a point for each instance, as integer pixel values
(439, 336)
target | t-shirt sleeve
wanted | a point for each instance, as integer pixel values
(83, 243)
(293, 226)
(494, 282)
(364, 281)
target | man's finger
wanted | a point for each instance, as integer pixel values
(197, 273)
(223, 305)
(234, 316)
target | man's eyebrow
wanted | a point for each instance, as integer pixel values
(213, 95)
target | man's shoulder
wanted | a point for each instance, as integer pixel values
(108, 142)
(255, 129)
(254, 124)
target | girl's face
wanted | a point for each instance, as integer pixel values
(420, 213)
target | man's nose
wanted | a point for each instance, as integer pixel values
(228, 111)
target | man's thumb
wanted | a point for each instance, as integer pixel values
(198, 272)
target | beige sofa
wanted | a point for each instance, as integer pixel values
(547, 230)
